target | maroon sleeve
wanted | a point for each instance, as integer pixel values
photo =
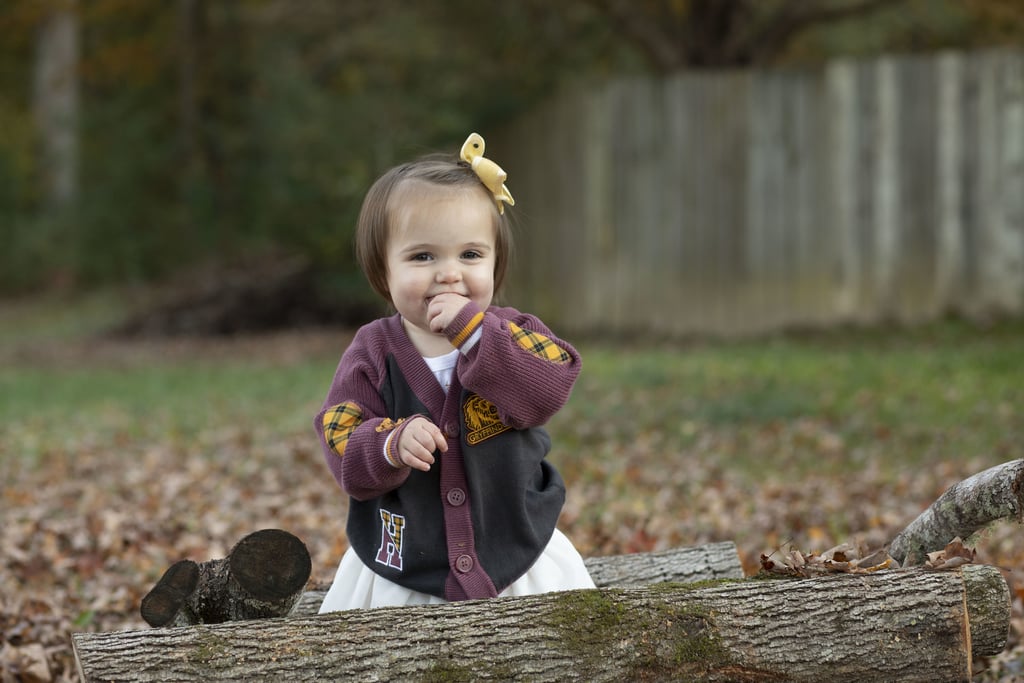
(517, 364)
(353, 427)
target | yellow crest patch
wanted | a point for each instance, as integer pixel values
(387, 424)
(482, 421)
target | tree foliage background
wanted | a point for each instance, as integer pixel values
(212, 129)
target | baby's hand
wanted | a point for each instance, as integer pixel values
(417, 443)
(442, 310)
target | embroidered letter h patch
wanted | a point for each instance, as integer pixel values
(390, 553)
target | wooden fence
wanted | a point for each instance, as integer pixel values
(749, 201)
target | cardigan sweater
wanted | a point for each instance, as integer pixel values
(485, 511)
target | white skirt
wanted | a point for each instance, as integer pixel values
(356, 586)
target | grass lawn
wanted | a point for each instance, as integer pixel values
(120, 457)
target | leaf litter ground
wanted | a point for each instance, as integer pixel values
(96, 508)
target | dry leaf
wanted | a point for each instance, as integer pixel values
(954, 555)
(833, 561)
(27, 663)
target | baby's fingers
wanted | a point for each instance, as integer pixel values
(433, 439)
(440, 443)
(417, 447)
(416, 463)
(418, 457)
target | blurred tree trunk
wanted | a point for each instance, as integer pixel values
(214, 80)
(190, 15)
(187, 103)
(55, 103)
(723, 33)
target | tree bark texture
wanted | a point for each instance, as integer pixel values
(906, 625)
(966, 507)
(687, 565)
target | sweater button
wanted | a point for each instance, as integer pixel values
(456, 497)
(464, 563)
(451, 430)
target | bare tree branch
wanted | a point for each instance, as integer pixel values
(719, 33)
(642, 28)
(966, 507)
(768, 39)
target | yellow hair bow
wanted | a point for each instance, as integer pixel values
(490, 173)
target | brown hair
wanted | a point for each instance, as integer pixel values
(375, 217)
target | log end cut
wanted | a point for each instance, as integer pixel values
(163, 605)
(271, 564)
(988, 609)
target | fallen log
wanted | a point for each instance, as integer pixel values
(686, 565)
(965, 508)
(263, 576)
(907, 625)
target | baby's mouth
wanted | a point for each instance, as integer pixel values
(434, 296)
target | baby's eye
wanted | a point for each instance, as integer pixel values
(422, 256)
(469, 255)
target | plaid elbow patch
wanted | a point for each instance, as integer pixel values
(339, 422)
(538, 345)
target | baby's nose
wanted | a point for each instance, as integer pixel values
(447, 274)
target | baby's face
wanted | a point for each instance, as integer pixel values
(441, 242)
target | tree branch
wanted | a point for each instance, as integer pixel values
(766, 40)
(719, 33)
(644, 30)
(966, 507)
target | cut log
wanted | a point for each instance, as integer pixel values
(906, 625)
(965, 508)
(167, 604)
(263, 576)
(687, 565)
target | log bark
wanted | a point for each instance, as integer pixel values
(965, 508)
(907, 625)
(263, 576)
(687, 565)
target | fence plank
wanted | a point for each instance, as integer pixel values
(748, 201)
(950, 282)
